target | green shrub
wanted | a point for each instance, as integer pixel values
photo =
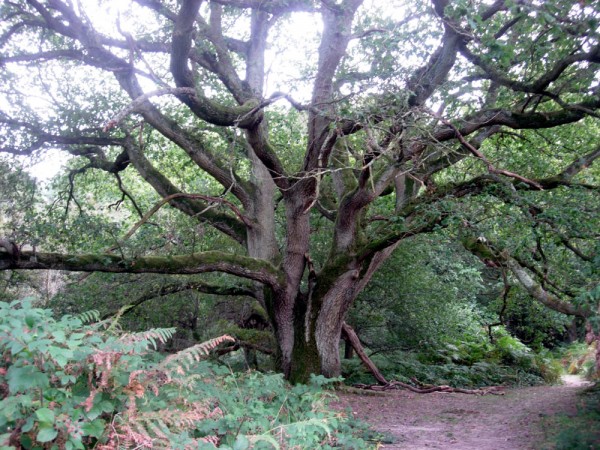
(549, 367)
(578, 358)
(64, 384)
(510, 350)
(472, 363)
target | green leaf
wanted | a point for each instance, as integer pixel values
(241, 443)
(30, 321)
(15, 346)
(26, 441)
(94, 428)
(107, 406)
(94, 412)
(59, 336)
(46, 434)
(61, 355)
(28, 425)
(45, 415)
(23, 378)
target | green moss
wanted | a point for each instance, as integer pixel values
(305, 361)
(478, 247)
(264, 338)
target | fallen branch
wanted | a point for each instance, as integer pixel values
(385, 385)
(493, 390)
(358, 348)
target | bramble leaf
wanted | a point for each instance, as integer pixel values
(45, 415)
(46, 434)
(23, 378)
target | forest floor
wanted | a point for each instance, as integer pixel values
(522, 418)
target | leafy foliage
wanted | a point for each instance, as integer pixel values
(429, 302)
(475, 362)
(578, 358)
(70, 385)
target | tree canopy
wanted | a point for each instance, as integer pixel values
(299, 161)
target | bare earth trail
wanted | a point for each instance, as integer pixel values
(517, 420)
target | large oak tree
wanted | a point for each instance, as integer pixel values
(390, 97)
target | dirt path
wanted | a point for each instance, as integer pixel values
(517, 420)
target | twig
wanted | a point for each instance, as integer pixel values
(168, 198)
(139, 101)
(491, 168)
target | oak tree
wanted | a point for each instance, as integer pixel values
(383, 117)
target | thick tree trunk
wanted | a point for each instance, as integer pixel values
(317, 326)
(319, 314)
(332, 313)
(300, 356)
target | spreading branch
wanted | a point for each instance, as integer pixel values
(198, 286)
(483, 249)
(210, 261)
(478, 154)
(171, 197)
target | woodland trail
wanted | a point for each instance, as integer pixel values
(522, 418)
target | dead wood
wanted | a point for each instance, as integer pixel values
(384, 385)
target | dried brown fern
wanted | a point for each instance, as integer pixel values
(194, 354)
(150, 336)
(153, 429)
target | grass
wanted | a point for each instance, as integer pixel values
(579, 432)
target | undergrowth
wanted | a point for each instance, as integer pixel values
(68, 383)
(578, 359)
(474, 363)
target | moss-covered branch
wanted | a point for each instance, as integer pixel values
(211, 261)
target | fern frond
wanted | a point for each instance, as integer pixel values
(149, 337)
(88, 316)
(263, 438)
(197, 352)
(114, 321)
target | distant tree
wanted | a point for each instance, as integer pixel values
(413, 110)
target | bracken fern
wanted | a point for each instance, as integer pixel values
(67, 385)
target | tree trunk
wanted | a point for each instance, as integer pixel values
(318, 316)
(298, 352)
(317, 320)
(572, 332)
